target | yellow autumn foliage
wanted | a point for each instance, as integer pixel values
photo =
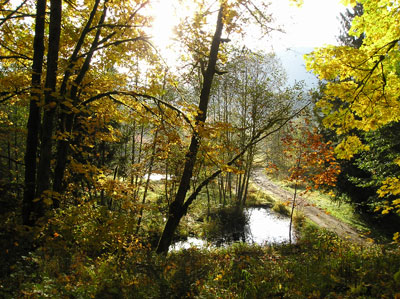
(366, 79)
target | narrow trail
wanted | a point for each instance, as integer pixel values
(317, 215)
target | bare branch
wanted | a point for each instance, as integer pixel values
(15, 57)
(118, 42)
(259, 136)
(136, 96)
(12, 13)
(79, 44)
(113, 26)
(16, 54)
(12, 160)
(9, 95)
(19, 16)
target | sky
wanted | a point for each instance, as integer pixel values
(314, 24)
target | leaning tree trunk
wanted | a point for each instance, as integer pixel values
(29, 207)
(249, 166)
(177, 209)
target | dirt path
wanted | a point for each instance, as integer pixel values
(317, 215)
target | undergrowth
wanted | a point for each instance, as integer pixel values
(89, 252)
(320, 265)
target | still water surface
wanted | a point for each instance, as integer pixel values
(264, 227)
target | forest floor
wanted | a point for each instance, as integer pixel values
(319, 216)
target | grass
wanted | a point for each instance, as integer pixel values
(281, 208)
(257, 197)
(341, 210)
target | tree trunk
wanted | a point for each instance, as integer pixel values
(249, 165)
(246, 187)
(146, 187)
(138, 176)
(223, 192)
(133, 150)
(294, 196)
(30, 209)
(219, 191)
(67, 118)
(43, 180)
(177, 209)
(229, 183)
(242, 179)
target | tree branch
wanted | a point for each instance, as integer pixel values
(12, 160)
(11, 94)
(12, 13)
(256, 139)
(118, 42)
(136, 96)
(21, 56)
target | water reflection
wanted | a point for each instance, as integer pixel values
(264, 227)
(190, 242)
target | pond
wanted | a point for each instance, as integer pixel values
(264, 227)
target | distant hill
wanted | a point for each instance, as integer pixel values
(292, 61)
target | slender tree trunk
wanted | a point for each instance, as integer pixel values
(246, 188)
(166, 181)
(51, 101)
(146, 187)
(67, 118)
(238, 187)
(223, 192)
(213, 193)
(242, 180)
(219, 191)
(133, 150)
(208, 201)
(138, 177)
(9, 160)
(230, 186)
(294, 198)
(177, 210)
(249, 165)
(31, 209)
(17, 175)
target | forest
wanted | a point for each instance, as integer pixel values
(123, 175)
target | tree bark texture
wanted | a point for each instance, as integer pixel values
(43, 173)
(30, 209)
(67, 118)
